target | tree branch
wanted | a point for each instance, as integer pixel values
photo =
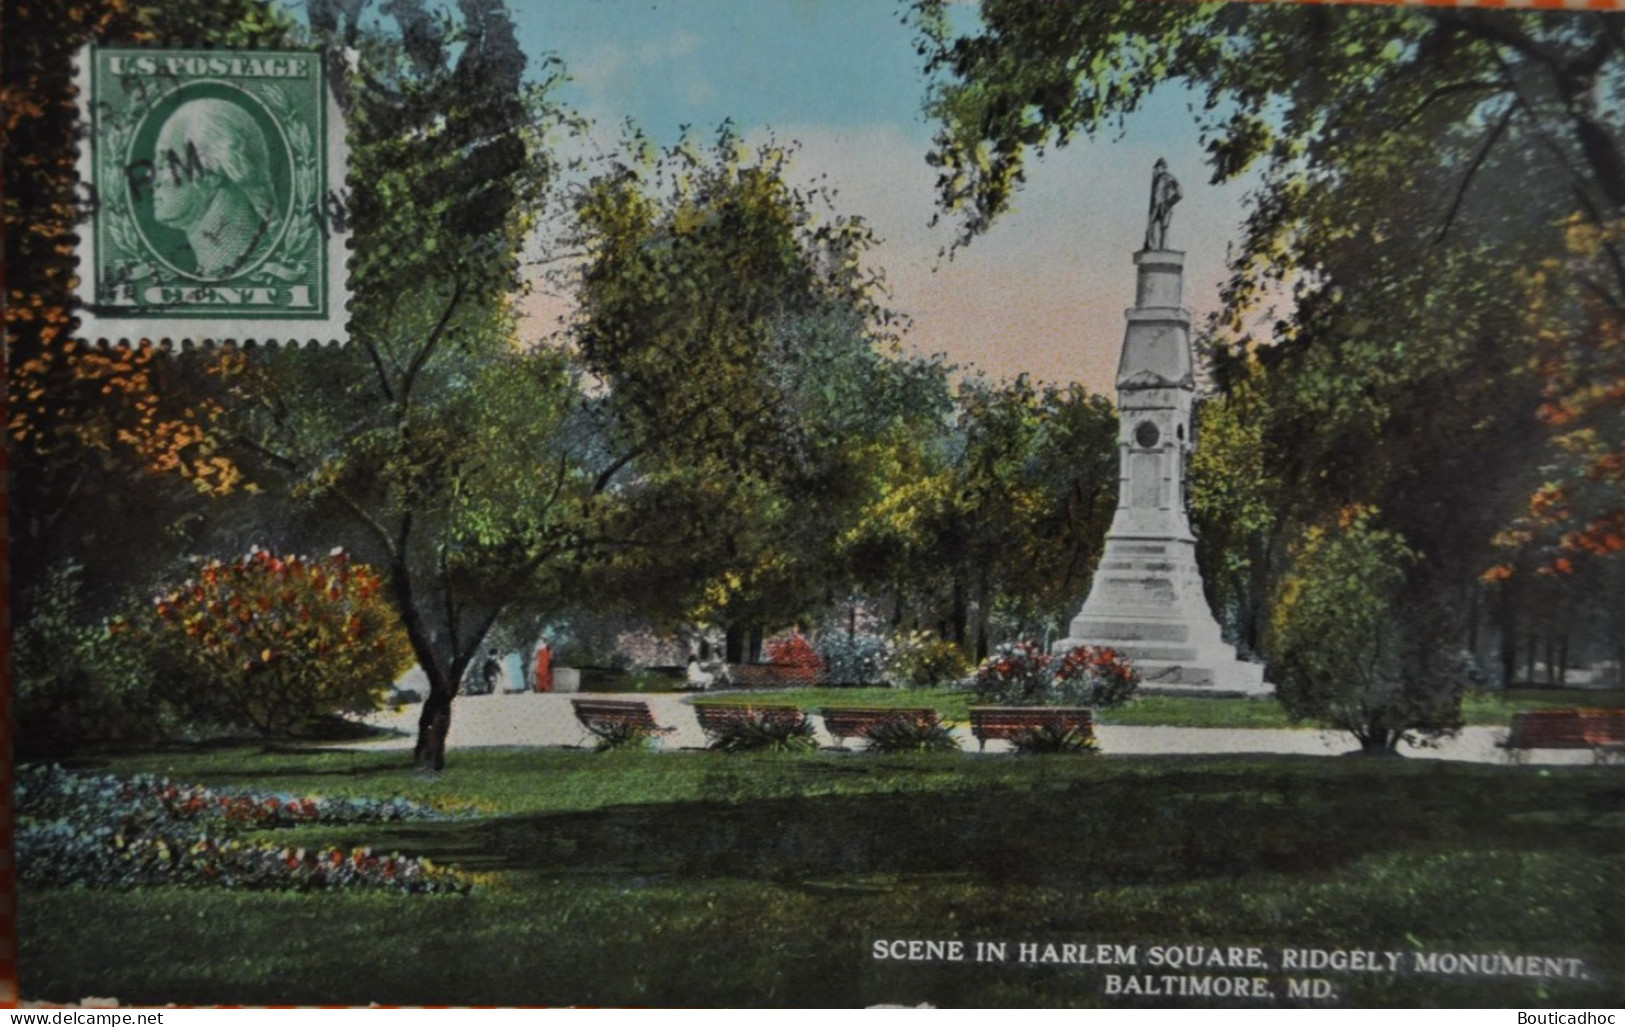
(287, 463)
(1443, 91)
(421, 357)
(1477, 162)
(378, 366)
(1581, 182)
(369, 522)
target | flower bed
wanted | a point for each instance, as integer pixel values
(109, 832)
(1023, 674)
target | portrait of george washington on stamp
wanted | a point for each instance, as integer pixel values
(214, 187)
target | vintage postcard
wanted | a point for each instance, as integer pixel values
(1112, 504)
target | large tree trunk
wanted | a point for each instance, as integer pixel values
(433, 726)
(434, 722)
(1508, 627)
(961, 613)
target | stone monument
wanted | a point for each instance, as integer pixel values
(1146, 600)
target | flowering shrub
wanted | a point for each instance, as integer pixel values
(855, 659)
(1093, 675)
(920, 659)
(1022, 674)
(1016, 673)
(267, 642)
(108, 832)
(794, 651)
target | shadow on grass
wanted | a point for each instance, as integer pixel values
(1120, 824)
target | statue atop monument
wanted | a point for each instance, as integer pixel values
(1164, 194)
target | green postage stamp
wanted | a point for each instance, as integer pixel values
(214, 184)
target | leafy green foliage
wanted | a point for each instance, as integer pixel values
(620, 736)
(268, 642)
(77, 685)
(920, 659)
(1004, 510)
(761, 730)
(1237, 496)
(1055, 740)
(909, 734)
(1350, 651)
(753, 384)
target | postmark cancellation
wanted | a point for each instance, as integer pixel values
(214, 184)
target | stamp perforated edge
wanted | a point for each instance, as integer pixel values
(131, 331)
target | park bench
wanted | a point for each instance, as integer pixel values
(608, 717)
(843, 722)
(1601, 731)
(716, 718)
(1011, 722)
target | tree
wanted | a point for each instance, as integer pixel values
(269, 642)
(1349, 648)
(1236, 506)
(749, 372)
(1001, 515)
(443, 451)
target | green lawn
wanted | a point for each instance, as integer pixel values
(953, 704)
(1485, 709)
(703, 879)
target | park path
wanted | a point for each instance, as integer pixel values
(546, 720)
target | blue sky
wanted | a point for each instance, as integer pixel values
(756, 61)
(1043, 293)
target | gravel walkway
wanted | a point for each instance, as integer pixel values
(546, 720)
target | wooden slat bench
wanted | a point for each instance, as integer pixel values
(1011, 722)
(604, 717)
(717, 717)
(1600, 730)
(843, 722)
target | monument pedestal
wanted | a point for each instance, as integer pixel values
(1146, 600)
(1147, 604)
